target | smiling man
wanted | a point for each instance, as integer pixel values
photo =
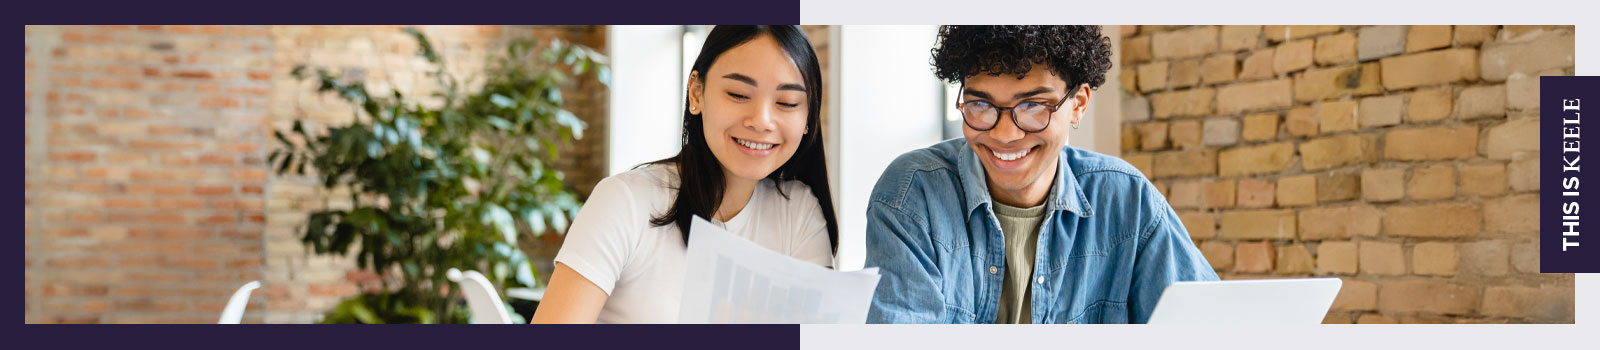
(1009, 224)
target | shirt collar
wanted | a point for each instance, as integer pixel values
(1065, 193)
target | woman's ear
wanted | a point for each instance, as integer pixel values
(697, 92)
(1080, 103)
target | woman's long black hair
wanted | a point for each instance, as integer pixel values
(701, 183)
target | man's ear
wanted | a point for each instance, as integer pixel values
(697, 92)
(1080, 103)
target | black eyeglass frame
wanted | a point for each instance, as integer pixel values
(965, 119)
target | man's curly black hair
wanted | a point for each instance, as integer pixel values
(1078, 54)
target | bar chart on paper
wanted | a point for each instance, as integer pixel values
(763, 302)
(732, 280)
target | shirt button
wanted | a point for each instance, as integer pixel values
(994, 270)
(1041, 279)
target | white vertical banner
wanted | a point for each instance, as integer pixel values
(1101, 127)
(647, 94)
(889, 104)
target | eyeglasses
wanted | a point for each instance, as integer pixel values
(1029, 116)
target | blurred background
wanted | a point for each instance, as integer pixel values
(1402, 159)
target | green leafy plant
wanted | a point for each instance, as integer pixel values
(450, 180)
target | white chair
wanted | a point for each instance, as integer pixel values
(481, 297)
(234, 312)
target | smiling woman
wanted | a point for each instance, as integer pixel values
(751, 160)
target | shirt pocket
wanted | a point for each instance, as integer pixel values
(1102, 312)
(957, 315)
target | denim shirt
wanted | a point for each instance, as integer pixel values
(1108, 246)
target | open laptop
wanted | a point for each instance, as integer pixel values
(1268, 301)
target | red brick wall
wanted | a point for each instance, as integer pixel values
(147, 202)
(1403, 159)
(147, 195)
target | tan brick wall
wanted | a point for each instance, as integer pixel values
(148, 199)
(1402, 159)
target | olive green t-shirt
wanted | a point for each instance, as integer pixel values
(1021, 229)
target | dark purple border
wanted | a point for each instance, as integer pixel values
(568, 12)
(1553, 198)
(295, 337)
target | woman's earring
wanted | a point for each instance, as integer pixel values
(691, 108)
(1074, 126)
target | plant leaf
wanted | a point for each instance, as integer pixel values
(499, 123)
(501, 219)
(502, 101)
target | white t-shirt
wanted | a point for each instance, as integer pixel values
(641, 266)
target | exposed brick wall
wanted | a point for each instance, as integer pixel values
(148, 199)
(32, 119)
(1402, 159)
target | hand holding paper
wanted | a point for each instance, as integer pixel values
(731, 280)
